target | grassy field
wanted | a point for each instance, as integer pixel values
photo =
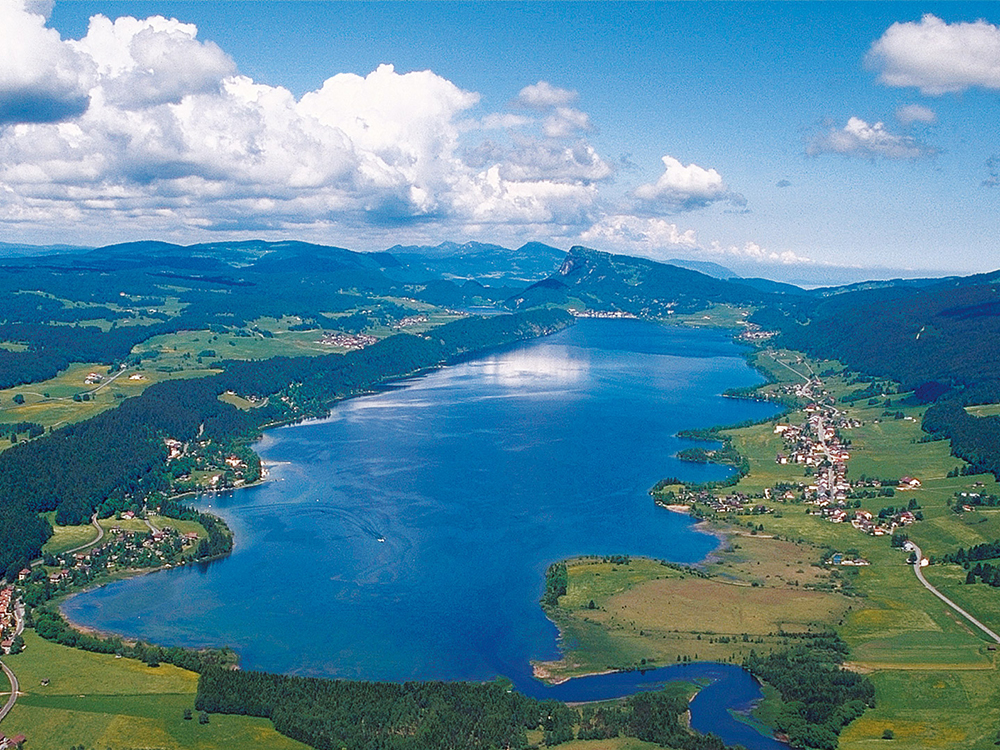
(648, 611)
(716, 316)
(936, 677)
(984, 410)
(67, 537)
(50, 403)
(100, 701)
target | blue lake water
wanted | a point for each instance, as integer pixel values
(407, 535)
(729, 689)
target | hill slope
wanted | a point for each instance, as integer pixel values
(601, 281)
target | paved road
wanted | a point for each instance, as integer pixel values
(92, 542)
(945, 599)
(14, 686)
(786, 365)
(100, 535)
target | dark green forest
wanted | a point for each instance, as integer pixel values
(331, 714)
(819, 696)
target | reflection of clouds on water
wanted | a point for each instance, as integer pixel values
(551, 366)
(367, 403)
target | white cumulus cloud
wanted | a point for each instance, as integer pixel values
(644, 232)
(565, 122)
(683, 187)
(141, 128)
(912, 113)
(153, 61)
(543, 95)
(858, 138)
(41, 78)
(938, 57)
(142, 125)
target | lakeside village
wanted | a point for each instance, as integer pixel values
(817, 445)
(11, 642)
(139, 539)
(125, 551)
(352, 341)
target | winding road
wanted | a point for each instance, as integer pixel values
(92, 542)
(14, 686)
(945, 599)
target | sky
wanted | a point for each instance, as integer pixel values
(797, 135)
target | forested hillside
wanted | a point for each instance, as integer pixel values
(945, 333)
(595, 280)
(939, 339)
(96, 306)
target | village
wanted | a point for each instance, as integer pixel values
(818, 447)
(348, 340)
(817, 444)
(8, 620)
(126, 550)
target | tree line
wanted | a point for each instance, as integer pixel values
(331, 714)
(975, 440)
(819, 696)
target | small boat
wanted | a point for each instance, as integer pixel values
(381, 539)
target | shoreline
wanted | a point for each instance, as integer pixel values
(265, 477)
(702, 525)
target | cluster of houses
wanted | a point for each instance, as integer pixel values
(603, 313)
(736, 503)
(839, 558)
(124, 550)
(817, 444)
(9, 743)
(753, 332)
(93, 378)
(8, 621)
(348, 340)
(410, 320)
(206, 456)
(966, 502)
(866, 522)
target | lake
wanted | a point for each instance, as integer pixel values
(407, 535)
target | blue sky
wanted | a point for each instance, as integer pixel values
(782, 134)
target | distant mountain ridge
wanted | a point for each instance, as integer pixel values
(24, 250)
(592, 279)
(482, 262)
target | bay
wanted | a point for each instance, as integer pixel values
(407, 535)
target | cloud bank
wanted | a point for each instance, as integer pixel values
(938, 57)
(870, 141)
(141, 128)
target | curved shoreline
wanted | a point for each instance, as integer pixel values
(700, 526)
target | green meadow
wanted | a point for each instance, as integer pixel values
(100, 701)
(936, 677)
(51, 403)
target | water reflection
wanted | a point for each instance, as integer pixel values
(554, 366)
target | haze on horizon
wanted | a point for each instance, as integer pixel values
(765, 135)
